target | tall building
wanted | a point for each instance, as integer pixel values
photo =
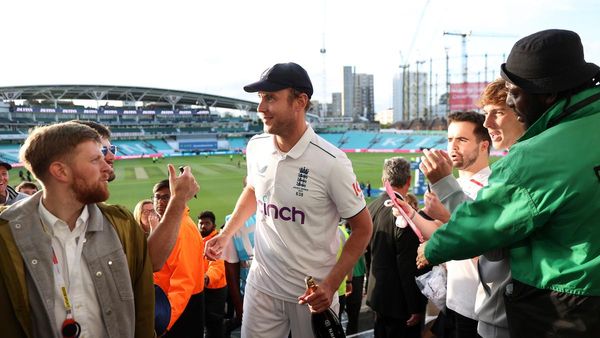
(348, 93)
(325, 109)
(385, 117)
(358, 95)
(411, 93)
(336, 104)
(364, 103)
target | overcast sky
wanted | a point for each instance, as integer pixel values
(216, 47)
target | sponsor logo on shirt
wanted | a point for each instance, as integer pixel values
(284, 213)
(301, 181)
(261, 170)
(357, 189)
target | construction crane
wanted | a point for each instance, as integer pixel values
(463, 36)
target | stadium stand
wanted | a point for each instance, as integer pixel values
(160, 146)
(404, 141)
(333, 138)
(237, 143)
(147, 121)
(9, 153)
(357, 139)
(132, 147)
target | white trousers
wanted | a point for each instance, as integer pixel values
(268, 317)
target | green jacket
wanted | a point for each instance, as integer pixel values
(126, 295)
(542, 202)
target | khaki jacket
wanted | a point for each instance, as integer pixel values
(115, 253)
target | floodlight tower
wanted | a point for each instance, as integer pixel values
(324, 104)
(323, 51)
(463, 51)
(405, 88)
(464, 47)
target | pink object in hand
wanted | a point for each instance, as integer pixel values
(392, 194)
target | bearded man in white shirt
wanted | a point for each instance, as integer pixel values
(468, 151)
(69, 264)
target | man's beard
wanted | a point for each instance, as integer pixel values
(87, 193)
(466, 161)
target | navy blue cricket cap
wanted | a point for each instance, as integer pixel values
(282, 76)
(6, 165)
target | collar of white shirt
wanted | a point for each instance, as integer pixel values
(300, 146)
(56, 224)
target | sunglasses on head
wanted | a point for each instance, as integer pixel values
(112, 148)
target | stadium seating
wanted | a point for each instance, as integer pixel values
(237, 142)
(160, 130)
(137, 133)
(9, 152)
(195, 130)
(160, 146)
(132, 147)
(333, 138)
(357, 140)
(409, 141)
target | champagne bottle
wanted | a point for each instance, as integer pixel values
(324, 324)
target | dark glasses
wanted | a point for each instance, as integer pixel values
(112, 148)
(161, 197)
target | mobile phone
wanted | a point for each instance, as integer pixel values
(181, 172)
(398, 196)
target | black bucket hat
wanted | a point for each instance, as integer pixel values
(549, 61)
(282, 76)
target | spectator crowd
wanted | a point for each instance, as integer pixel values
(511, 244)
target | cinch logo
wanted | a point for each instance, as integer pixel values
(284, 213)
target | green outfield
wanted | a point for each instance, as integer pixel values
(220, 179)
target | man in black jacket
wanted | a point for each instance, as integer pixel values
(392, 292)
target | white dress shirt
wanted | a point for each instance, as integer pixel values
(463, 278)
(81, 291)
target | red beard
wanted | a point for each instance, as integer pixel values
(90, 193)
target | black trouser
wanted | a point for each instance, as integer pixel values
(342, 301)
(459, 326)
(392, 327)
(214, 300)
(191, 322)
(533, 312)
(353, 304)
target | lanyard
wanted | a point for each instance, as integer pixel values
(59, 278)
(70, 327)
